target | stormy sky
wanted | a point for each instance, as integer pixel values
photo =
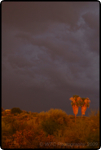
(50, 52)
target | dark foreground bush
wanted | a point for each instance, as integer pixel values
(49, 126)
(16, 110)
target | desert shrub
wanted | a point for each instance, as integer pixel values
(57, 113)
(16, 110)
(15, 122)
(84, 130)
(19, 125)
(8, 121)
(2, 109)
(23, 116)
(6, 129)
(4, 113)
(28, 130)
(31, 123)
(93, 123)
(49, 126)
(27, 139)
(47, 142)
(35, 114)
(9, 118)
(59, 116)
(71, 117)
(42, 115)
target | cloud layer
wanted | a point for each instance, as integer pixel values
(50, 51)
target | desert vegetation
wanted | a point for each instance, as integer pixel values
(51, 129)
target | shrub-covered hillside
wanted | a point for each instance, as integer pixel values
(51, 129)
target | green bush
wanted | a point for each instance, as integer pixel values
(16, 110)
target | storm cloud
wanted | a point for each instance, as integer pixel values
(50, 52)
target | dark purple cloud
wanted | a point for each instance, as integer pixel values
(50, 51)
